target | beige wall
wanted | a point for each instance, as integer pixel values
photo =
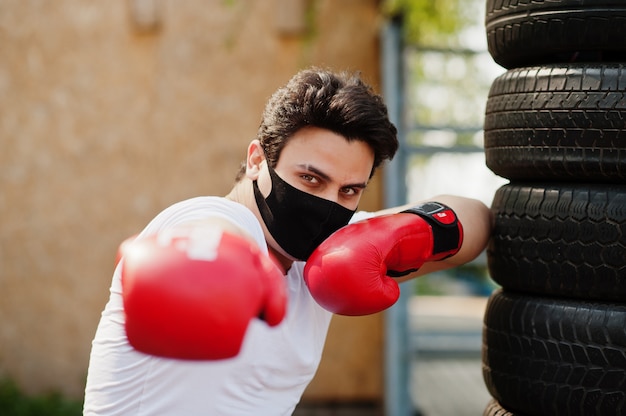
(107, 117)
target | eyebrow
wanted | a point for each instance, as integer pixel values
(326, 177)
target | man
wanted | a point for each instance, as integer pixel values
(201, 321)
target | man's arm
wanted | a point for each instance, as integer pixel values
(477, 221)
(356, 271)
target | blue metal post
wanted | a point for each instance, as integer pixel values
(397, 349)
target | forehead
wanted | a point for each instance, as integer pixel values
(330, 152)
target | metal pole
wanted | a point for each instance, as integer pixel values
(397, 349)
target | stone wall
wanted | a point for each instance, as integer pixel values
(112, 110)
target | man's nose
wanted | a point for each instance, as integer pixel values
(330, 194)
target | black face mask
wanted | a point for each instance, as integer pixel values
(297, 220)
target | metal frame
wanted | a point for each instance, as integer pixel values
(397, 347)
(399, 352)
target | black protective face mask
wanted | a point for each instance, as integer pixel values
(297, 220)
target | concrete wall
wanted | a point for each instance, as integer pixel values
(112, 110)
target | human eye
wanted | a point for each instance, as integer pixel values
(351, 191)
(309, 179)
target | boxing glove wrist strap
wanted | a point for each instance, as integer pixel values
(447, 234)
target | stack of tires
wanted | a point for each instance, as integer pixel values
(554, 340)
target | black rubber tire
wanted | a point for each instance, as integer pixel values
(495, 409)
(558, 122)
(535, 32)
(563, 240)
(550, 356)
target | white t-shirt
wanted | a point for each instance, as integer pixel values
(268, 376)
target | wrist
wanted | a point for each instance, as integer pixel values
(445, 225)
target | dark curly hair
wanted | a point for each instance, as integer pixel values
(339, 102)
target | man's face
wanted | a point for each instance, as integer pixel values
(325, 164)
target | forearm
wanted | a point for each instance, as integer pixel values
(356, 270)
(476, 219)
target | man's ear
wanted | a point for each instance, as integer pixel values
(254, 158)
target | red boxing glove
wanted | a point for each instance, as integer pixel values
(351, 272)
(191, 293)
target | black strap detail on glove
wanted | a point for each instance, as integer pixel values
(393, 273)
(445, 226)
(444, 223)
